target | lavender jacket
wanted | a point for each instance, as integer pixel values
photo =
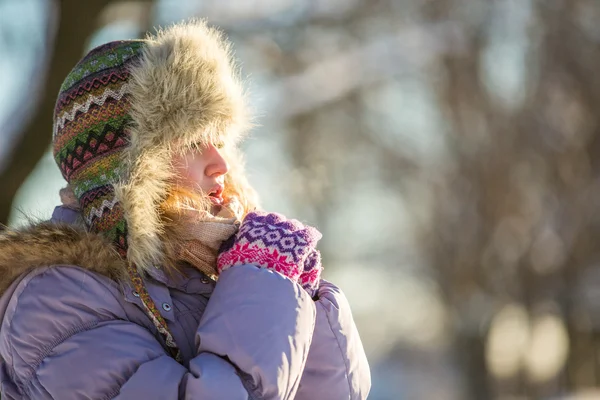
(70, 333)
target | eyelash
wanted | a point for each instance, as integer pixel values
(200, 145)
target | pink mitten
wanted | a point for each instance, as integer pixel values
(311, 276)
(269, 240)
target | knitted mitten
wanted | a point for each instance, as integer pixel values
(311, 276)
(269, 240)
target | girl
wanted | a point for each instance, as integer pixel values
(145, 284)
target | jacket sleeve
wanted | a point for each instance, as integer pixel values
(66, 336)
(337, 367)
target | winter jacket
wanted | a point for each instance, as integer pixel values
(72, 332)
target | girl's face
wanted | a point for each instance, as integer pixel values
(202, 171)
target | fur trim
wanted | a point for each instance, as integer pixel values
(22, 250)
(183, 92)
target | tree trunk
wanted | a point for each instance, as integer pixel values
(76, 22)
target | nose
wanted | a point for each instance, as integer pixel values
(217, 165)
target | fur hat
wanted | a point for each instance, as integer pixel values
(126, 109)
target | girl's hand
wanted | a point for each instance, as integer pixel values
(269, 240)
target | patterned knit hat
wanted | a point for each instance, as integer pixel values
(90, 134)
(126, 109)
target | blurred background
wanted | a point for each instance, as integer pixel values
(449, 151)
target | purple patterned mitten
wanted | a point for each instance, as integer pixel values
(311, 276)
(271, 241)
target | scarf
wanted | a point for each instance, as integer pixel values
(199, 235)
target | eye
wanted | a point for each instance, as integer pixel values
(199, 147)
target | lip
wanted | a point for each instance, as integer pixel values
(218, 201)
(216, 191)
(215, 194)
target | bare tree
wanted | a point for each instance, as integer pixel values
(515, 217)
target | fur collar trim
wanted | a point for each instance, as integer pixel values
(49, 243)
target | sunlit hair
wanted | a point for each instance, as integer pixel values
(179, 203)
(181, 200)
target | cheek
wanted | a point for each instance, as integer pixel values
(189, 170)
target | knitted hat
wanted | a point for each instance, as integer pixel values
(122, 114)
